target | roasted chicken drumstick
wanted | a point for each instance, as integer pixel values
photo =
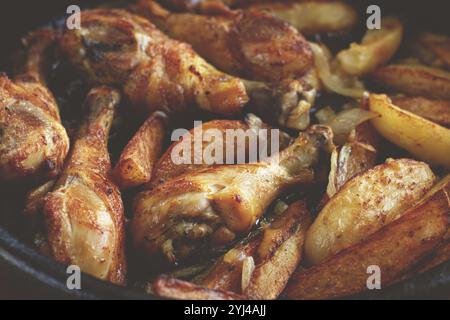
(253, 45)
(84, 212)
(33, 142)
(217, 204)
(116, 47)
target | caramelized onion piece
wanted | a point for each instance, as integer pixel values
(334, 80)
(346, 121)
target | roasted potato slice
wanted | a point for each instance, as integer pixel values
(140, 155)
(415, 80)
(434, 110)
(276, 260)
(260, 268)
(426, 140)
(376, 48)
(365, 204)
(441, 253)
(171, 288)
(312, 17)
(394, 249)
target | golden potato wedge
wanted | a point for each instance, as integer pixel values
(312, 17)
(377, 47)
(433, 49)
(394, 249)
(426, 140)
(171, 288)
(415, 80)
(276, 263)
(138, 159)
(260, 268)
(434, 110)
(365, 204)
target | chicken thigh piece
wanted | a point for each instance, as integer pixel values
(253, 45)
(84, 213)
(116, 47)
(211, 207)
(33, 142)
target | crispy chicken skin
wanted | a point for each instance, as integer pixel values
(307, 16)
(217, 204)
(158, 73)
(166, 168)
(33, 142)
(253, 45)
(84, 213)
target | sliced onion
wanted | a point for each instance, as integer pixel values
(346, 121)
(234, 256)
(343, 85)
(248, 266)
(325, 115)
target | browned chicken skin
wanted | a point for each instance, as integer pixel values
(217, 204)
(84, 212)
(33, 142)
(253, 45)
(158, 73)
(167, 169)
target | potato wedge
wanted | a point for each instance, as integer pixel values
(137, 160)
(273, 255)
(312, 17)
(377, 47)
(434, 110)
(394, 249)
(365, 204)
(275, 264)
(415, 80)
(171, 288)
(426, 140)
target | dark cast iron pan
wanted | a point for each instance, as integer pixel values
(33, 271)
